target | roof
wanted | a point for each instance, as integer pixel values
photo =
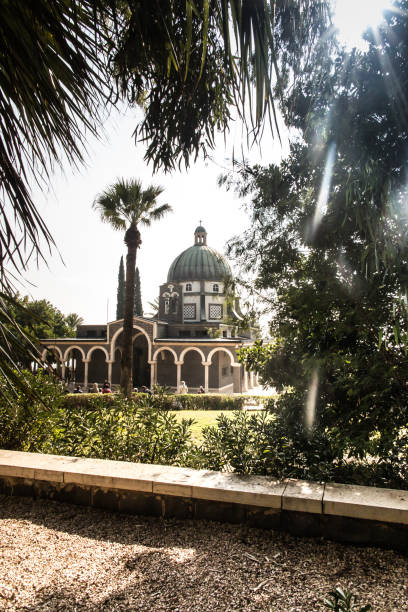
(200, 229)
(199, 262)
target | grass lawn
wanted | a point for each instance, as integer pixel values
(202, 418)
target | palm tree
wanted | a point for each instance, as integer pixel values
(124, 205)
(73, 320)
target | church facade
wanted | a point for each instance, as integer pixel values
(194, 337)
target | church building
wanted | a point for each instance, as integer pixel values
(194, 337)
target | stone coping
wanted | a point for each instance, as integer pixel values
(332, 499)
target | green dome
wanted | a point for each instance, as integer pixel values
(199, 262)
(200, 229)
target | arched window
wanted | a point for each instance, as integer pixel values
(215, 288)
(189, 287)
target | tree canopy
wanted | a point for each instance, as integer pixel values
(328, 246)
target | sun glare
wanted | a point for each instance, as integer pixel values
(353, 17)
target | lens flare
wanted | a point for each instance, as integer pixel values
(321, 204)
(310, 408)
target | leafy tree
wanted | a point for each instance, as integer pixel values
(329, 250)
(36, 319)
(120, 304)
(125, 205)
(40, 319)
(138, 308)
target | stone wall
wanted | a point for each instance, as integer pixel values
(353, 514)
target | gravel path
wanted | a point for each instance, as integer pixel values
(61, 557)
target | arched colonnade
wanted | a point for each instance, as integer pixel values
(81, 359)
(241, 380)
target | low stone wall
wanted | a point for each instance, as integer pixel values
(348, 513)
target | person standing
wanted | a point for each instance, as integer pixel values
(183, 388)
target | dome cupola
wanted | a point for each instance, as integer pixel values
(200, 235)
(199, 262)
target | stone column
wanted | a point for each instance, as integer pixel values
(153, 373)
(251, 383)
(63, 371)
(236, 378)
(110, 363)
(206, 365)
(178, 364)
(245, 381)
(86, 363)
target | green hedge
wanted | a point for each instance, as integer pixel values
(188, 401)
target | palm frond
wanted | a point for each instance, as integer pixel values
(160, 211)
(52, 81)
(126, 202)
(205, 58)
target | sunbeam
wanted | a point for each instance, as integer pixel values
(352, 18)
(321, 204)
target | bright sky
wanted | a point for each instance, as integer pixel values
(87, 280)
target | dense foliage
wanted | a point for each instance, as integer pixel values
(147, 432)
(329, 248)
(275, 443)
(145, 429)
(36, 319)
(188, 401)
(138, 307)
(120, 294)
(43, 320)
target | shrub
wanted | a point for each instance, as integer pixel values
(188, 401)
(25, 420)
(113, 428)
(276, 443)
(125, 431)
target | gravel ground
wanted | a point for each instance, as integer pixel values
(61, 557)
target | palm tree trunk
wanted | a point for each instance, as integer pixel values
(133, 242)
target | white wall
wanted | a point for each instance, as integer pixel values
(208, 286)
(195, 286)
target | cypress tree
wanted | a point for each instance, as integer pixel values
(138, 308)
(120, 305)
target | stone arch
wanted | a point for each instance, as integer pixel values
(221, 373)
(225, 350)
(74, 358)
(192, 370)
(166, 369)
(52, 349)
(165, 348)
(116, 366)
(192, 348)
(71, 348)
(97, 367)
(95, 348)
(117, 333)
